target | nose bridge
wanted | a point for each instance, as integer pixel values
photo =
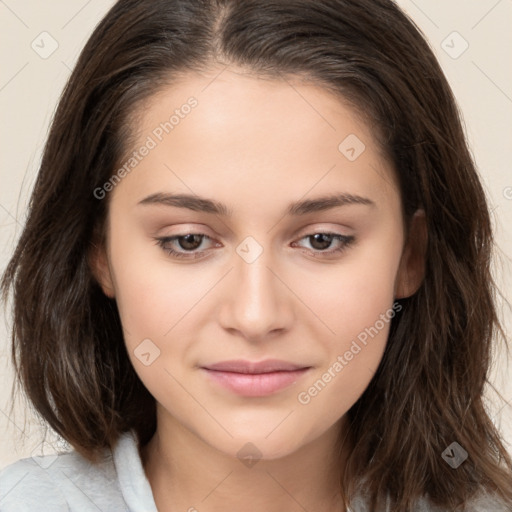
(256, 303)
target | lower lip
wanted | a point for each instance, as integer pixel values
(255, 384)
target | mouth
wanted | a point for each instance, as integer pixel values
(255, 378)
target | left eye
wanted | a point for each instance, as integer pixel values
(190, 242)
(324, 240)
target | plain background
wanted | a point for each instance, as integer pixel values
(40, 42)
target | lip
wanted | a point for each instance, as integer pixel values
(244, 366)
(249, 378)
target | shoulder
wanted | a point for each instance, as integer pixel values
(487, 503)
(24, 484)
(60, 482)
(482, 502)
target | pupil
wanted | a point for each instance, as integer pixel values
(189, 240)
(319, 237)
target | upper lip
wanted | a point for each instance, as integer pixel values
(243, 366)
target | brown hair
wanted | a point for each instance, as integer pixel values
(68, 347)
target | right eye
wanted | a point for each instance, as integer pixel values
(189, 243)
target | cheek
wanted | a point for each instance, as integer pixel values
(352, 294)
(357, 304)
(151, 293)
(353, 355)
(161, 305)
(153, 302)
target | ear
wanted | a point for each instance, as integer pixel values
(411, 270)
(98, 263)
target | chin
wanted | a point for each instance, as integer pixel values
(253, 448)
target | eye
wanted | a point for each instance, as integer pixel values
(188, 242)
(186, 246)
(322, 241)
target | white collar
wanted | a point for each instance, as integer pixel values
(134, 484)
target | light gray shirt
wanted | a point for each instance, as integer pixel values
(68, 482)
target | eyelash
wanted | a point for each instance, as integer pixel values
(346, 240)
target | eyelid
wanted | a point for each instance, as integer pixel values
(323, 227)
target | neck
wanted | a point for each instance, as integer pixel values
(188, 474)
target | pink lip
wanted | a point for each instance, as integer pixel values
(255, 378)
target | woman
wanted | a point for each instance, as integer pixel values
(255, 272)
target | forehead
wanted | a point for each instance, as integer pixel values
(289, 105)
(226, 130)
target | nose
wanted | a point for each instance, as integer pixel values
(257, 302)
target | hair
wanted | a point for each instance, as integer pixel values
(67, 338)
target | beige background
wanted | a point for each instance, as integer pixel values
(31, 80)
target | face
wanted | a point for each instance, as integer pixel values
(290, 247)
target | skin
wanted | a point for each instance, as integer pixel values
(255, 145)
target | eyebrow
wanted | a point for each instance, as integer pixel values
(202, 204)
